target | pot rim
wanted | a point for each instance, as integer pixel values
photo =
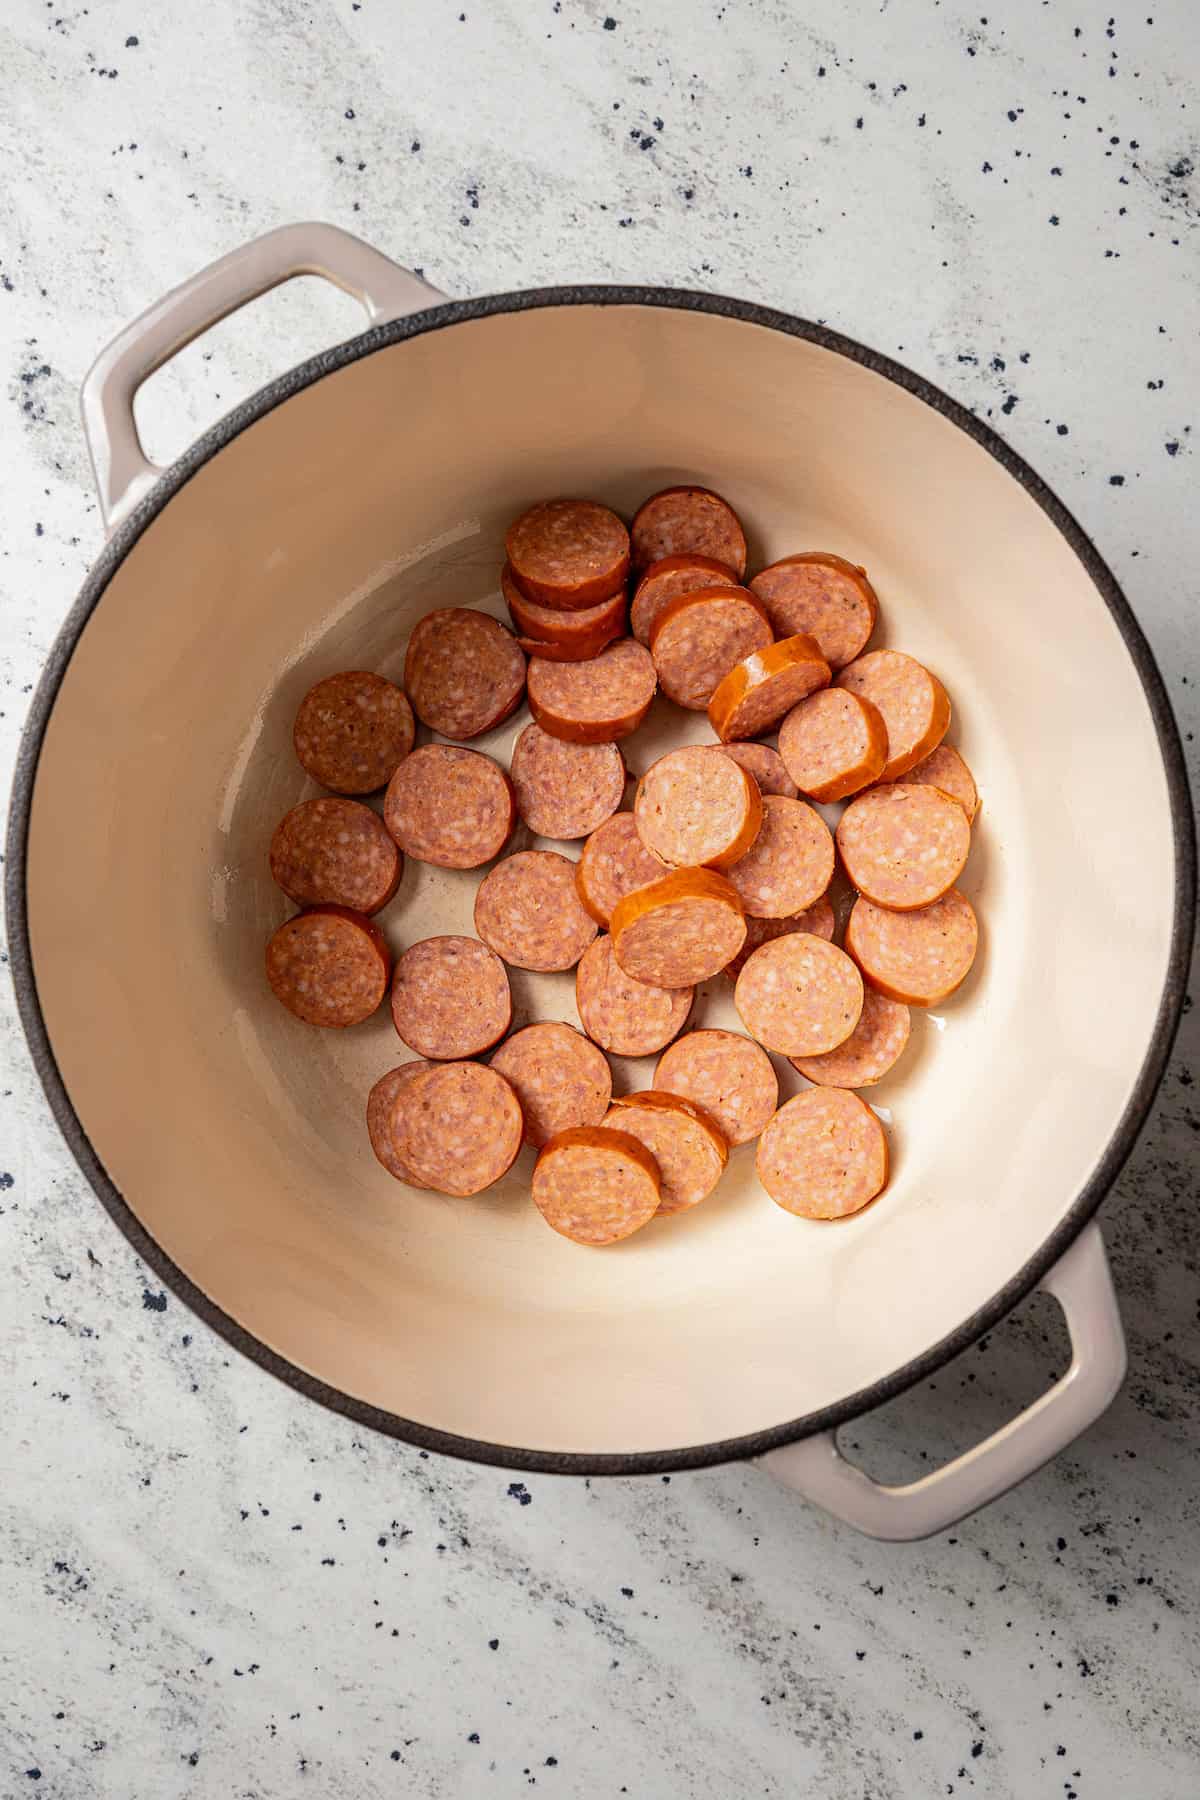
(427, 1437)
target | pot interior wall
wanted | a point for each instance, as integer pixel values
(311, 543)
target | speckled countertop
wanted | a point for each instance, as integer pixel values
(207, 1586)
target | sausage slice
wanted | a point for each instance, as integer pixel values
(565, 790)
(576, 635)
(668, 578)
(568, 553)
(824, 596)
(833, 744)
(728, 1076)
(824, 1155)
(528, 912)
(758, 690)
(381, 1103)
(335, 850)
(917, 957)
(679, 930)
(817, 919)
(329, 966)
(766, 766)
(874, 1046)
(799, 995)
(457, 1127)
(561, 1079)
(696, 640)
(352, 731)
(593, 702)
(612, 863)
(790, 863)
(903, 845)
(464, 671)
(624, 1016)
(595, 1185)
(914, 705)
(682, 521)
(695, 807)
(450, 998)
(944, 768)
(688, 1147)
(451, 807)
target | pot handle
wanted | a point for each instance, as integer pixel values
(123, 471)
(1082, 1284)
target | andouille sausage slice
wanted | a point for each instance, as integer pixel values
(613, 863)
(760, 688)
(450, 998)
(568, 553)
(689, 1147)
(352, 731)
(824, 1155)
(917, 957)
(458, 1127)
(595, 1185)
(565, 790)
(561, 1079)
(944, 768)
(874, 1046)
(799, 995)
(823, 595)
(464, 671)
(528, 912)
(833, 744)
(451, 807)
(697, 638)
(335, 850)
(594, 626)
(766, 766)
(728, 1076)
(789, 865)
(329, 966)
(817, 919)
(624, 1016)
(914, 705)
(679, 930)
(593, 702)
(688, 521)
(668, 578)
(903, 845)
(697, 808)
(381, 1105)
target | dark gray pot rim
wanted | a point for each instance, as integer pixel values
(509, 1455)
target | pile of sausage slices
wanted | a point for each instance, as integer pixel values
(720, 866)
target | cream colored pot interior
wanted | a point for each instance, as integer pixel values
(312, 542)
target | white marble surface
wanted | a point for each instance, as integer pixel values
(208, 1587)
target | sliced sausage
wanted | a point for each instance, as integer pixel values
(688, 521)
(824, 1155)
(666, 580)
(833, 744)
(624, 1016)
(352, 731)
(914, 705)
(817, 919)
(698, 638)
(329, 966)
(335, 850)
(458, 1127)
(450, 998)
(760, 688)
(595, 1185)
(944, 768)
(561, 1079)
(917, 957)
(824, 596)
(528, 912)
(565, 790)
(728, 1076)
(593, 702)
(688, 1147)
(766, 766)
(568, 553)
(464, 671)
(450, 806)
(381, 1103)
(789, 865)
(903, 845)
(874, 1046)
(679, 930)
(696, 807)
(614, 862)
(799, 995)
(577, 635)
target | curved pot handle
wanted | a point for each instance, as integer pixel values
(1082, 1284)
(123, 471)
